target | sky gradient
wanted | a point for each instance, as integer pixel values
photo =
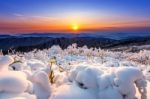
(23, 16)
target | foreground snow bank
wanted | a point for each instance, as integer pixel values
(78, 73)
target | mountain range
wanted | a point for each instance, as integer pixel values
(113, 41)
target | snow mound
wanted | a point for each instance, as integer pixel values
(13, 82)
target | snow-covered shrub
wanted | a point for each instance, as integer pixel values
(73, 73)
(41, 85)
(87, 78)
(125, 78)
(72, 91)
(18, 66)
(142, 57)
(5, 61)
(102, 55)
(105, 81)
(35, 64)
(109, 93)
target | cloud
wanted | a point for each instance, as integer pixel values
(44, 17)
(21, 16)
(18, 14)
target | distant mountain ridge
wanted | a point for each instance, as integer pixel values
(28, 42)
(116, 36)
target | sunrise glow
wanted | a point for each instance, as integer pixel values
(75, 27)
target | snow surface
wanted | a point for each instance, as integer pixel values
(79, 73)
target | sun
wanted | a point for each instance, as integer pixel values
(75, 27)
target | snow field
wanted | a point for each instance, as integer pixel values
(78, 73)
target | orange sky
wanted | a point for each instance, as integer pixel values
(40, 24)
